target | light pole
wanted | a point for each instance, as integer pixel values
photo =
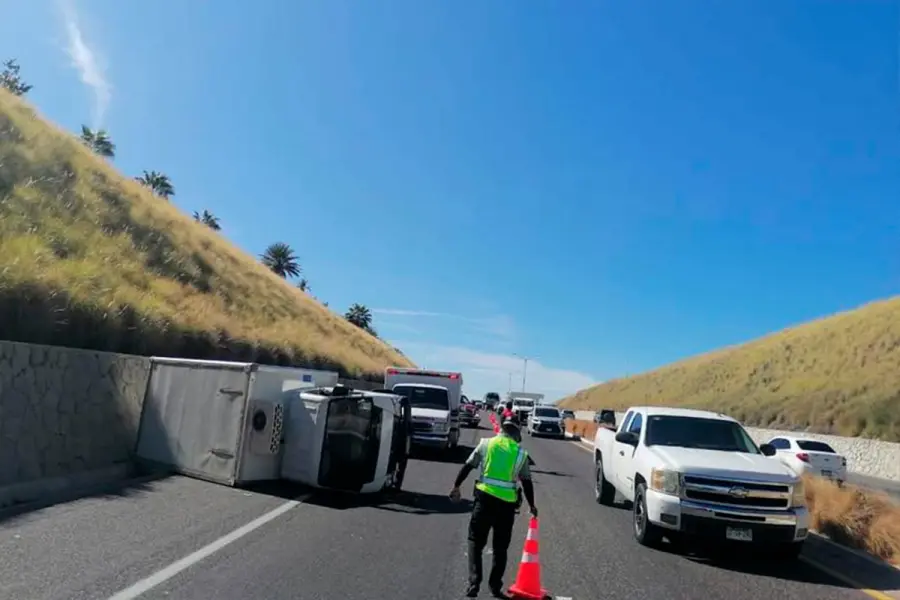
(524, 368)
(509, 386)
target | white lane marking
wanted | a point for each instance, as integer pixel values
(584, 446)
(145, 585)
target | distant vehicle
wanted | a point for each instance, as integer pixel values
(435, 398)
(546, 421)
(699, 474)
(568, 414)
(814, 457)
(522, 408)
(468, 413)
(524, 403)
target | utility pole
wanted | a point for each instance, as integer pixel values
(524, 372)
(524, 369)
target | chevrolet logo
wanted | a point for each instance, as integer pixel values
(738, 492)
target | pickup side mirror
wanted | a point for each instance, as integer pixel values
(627, 437)
(767, 449)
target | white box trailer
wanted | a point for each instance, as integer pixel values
(217, 420)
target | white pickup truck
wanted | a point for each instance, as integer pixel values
(698, 474)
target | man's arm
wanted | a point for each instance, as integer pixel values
(527, 486)
(473, 462)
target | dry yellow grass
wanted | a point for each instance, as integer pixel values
(89, 258)
(838, 375)
(858, 518)
(862, 519)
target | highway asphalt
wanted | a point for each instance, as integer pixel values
(170, 531)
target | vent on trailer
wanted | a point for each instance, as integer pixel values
(266, 427)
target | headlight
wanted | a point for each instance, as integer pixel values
(665, 481)
(799, 496)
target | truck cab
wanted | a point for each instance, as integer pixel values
(693, 474)
(434, 398)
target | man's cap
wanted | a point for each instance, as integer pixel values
(507, 422)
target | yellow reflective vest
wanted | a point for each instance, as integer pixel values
(503, 459)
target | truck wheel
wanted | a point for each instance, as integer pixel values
(645, 532)
(604, 492)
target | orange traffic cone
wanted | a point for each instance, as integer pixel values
(528, 581)
(495, 424)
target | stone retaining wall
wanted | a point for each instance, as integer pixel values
(867, 457)
(65, 412)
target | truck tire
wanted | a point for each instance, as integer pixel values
(604, 492)
(645, 532)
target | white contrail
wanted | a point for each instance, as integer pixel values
(84, 59)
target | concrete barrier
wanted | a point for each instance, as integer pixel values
(872, 458)
(66, 417)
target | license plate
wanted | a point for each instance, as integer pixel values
(827, 474)
(740, 535)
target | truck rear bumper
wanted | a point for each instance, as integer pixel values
(701, 519)
(431, 439)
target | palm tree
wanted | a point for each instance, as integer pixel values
(98, 141)
(281, 259)
(303, 285)
(158, 183)
(208, 219)
(11, 80)
(360, 316)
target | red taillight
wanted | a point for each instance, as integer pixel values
(392, 371)
(803, 456)
(454, 375)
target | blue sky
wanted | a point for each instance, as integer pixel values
(602, 186)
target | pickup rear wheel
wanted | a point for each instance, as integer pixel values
(645, 532)
(604, 492)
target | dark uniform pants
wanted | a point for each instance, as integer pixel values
(490, 512)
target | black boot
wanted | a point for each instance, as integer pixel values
(472, 591)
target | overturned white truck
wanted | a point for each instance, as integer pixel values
(239, 423)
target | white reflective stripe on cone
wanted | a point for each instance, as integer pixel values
(532, 534)
(527, 557)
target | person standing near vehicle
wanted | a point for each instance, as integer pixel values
(502, 462)
(508, 412)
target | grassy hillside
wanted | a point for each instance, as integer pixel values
(91, 259)
(836, 375)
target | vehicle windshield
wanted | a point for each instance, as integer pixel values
(694, 432)
(492, 397)
(424, 397)
(815, 446)
(525, 403)
(546, 412)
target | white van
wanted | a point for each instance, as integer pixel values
(434, 397)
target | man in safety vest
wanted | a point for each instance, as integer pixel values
(501, 462)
